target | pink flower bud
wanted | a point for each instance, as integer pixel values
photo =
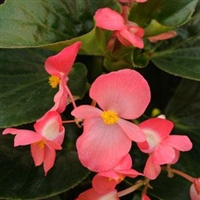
(195, 189)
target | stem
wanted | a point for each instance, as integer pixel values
(94, 103)
(69, 121)
(180, 173)
(130, 189)
(71, 96)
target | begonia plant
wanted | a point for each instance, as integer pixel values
(100, 100)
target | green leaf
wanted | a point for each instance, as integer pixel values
(42, 22)
(184, 107)
(184, 110)
(25, 92)
(158, 16)
(78, 80)
(93, 43)
(20, 179)
(181, 55)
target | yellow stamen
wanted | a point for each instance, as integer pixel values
(54, 81)
(110, 117)
(40, 143)
(121, 178)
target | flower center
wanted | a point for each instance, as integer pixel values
(40, 143)
(110, 117)
(54, 81)
(120, 178)
(152, 139)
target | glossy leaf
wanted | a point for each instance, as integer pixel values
(184, 107)
(158, 16)
(20, 179)
(93, 43)
(25, 92)
(181, 56)
(38, 22)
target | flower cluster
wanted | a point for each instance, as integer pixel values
(109, 127)
(49, 131)
(108, 132)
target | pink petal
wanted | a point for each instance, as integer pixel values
(125, 163)
(23, 137)
(176, 158)
(163, 154)
(132, 173)
(101, 146)
(151, 170)
(54, 145)
(60, 98)
(108, 19)
(124, 167)
(144, 147)
(132, 131)
(162, 36)
(145, 197)
(127, 38)
(126, 92)
(49, 158)
(85, 111)
(103, 185)
(50, 125)
(161, 127)
(111, 174)
(179, 142)
(60, 64)
(197, 184)
(194, 195)
(91, 194)
(133, 28)
(37, 153)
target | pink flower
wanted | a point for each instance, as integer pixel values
(161, 147)
(91, 194)
(195, 189)
(129, 34)
(162, 36)
(107, 137)
(59, 66)
(104, 182)
(47, 137)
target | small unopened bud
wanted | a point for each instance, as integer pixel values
(197, 185)
(195, 189)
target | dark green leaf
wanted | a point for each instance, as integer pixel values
(181, 56)
(78, 80)
(41, 22)
(158, 16)
(184, 107)
(93, 43)
(25, 92)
